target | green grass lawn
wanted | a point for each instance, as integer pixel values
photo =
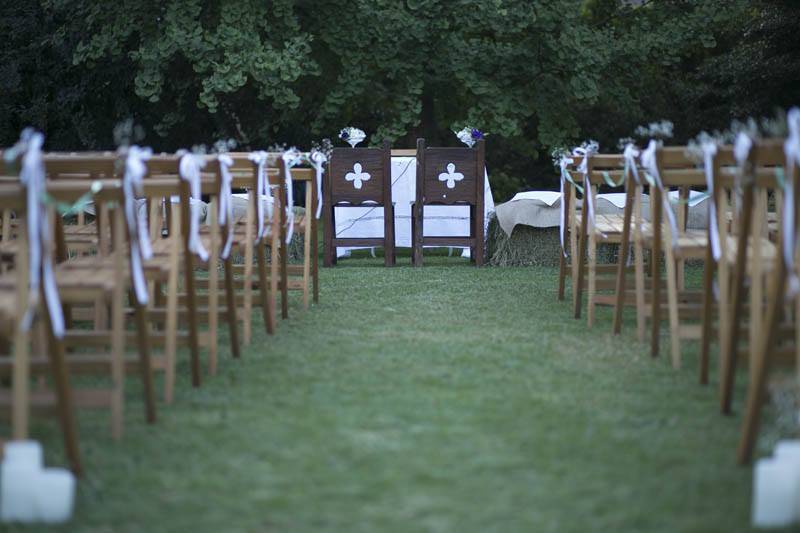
(441, 399)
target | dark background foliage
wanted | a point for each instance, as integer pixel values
(533, 74)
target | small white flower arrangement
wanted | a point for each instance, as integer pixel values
(352, 136)
(656, 130)
(469, 135)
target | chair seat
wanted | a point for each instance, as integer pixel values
(763, 247)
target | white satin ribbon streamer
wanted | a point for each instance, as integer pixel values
(225, 201)
(709, 153)
(650, 164)
(791, 148)
(290, 158)
(32, 175)
(741, 151)
(318, 161)
(262, 190)
(136, 218)
(587, 186)
(190, 166)
(563, 164)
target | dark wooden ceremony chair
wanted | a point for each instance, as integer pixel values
(449, 176)
(359, 177)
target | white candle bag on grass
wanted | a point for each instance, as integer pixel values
(788, 452)
(30, 493)
(774, 486)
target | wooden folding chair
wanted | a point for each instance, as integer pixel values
(304, 277)
(668, 234)
(569, 224)
(779, 330)
(101, 284)
(757, 180)
(449, 176)
(253, 234)
(594, 229)
(752, 258)
(20, 330)
(201, 251)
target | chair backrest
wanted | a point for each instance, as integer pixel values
(448, 176)
(359, 175)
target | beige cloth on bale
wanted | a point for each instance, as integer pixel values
(542, 209)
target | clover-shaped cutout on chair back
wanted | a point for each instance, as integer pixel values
(357, 176)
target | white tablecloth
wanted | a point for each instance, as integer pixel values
(440, 220)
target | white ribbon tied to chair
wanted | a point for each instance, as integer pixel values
(190, 166)
(226, 201)
(741, 152)
(587, 153)
(41, 275)
(650, 164)
(318, 160)
(262, 190)
(631, 156)
(709, 153)
(563, 164)
(791, 148)
(136, 218)
(290, 158)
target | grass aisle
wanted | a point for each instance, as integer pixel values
(439, 399)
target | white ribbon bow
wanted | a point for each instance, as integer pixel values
(791, 148)
(190, 167)
(226, 201)
(650, 164)
(631, 155)
(318, 160)
(290, 158)
(563, 164)
(141, 251)
(709, 153)
(262, 190)
(32, 175)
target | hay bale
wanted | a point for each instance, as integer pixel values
(529, 246)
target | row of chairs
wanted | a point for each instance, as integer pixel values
(444, 176)
(747, 299)
(69, 291)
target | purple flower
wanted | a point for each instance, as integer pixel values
(477, 134)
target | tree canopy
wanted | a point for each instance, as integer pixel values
(533, 74)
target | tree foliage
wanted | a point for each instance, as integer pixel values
(533, 74)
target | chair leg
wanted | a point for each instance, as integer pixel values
(230, 302)
(265, 289)
(284, 262)
(66, 414)
(191, 308)
(672, 302)
(708, 316)
(20, 384)
(212, 301)
(329, 251)
(314, 259)
(761, 365)
(145, 366)
(592, 288)
(562, 274)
